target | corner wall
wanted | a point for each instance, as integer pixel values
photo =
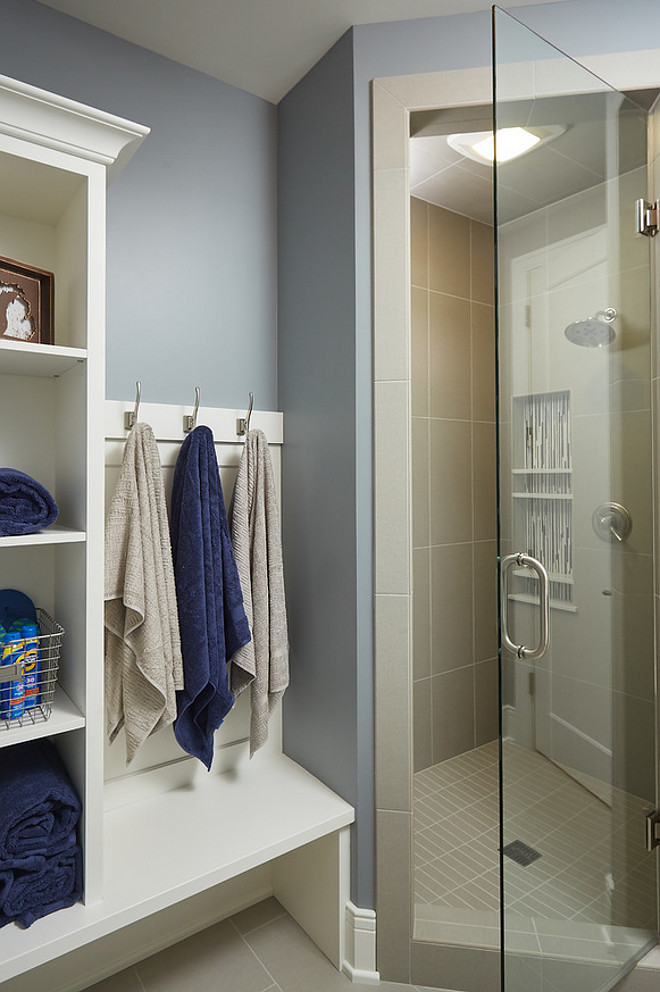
(327, 716)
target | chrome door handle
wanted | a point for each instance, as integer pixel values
(526, 561)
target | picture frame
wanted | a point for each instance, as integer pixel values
(26, 303)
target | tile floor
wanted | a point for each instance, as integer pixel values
(261, 949)
(593, 870)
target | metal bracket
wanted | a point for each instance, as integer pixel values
(652, 830)
(646, 217)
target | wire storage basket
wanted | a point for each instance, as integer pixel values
(34, 670)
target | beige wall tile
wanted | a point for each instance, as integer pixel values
(419, 349)
(484, 469)
(481, 263)
(451, 607)
(393, 895)
(453, 713)
(486, 702)
(421, 639)
(392, 506)
(583, 706)
(449, 356)
(449, 252)
(634, 748)
(482, 328)
(422, 741)
(573, 216)
(451, 482)
(390, 128)
(393, 702)
(391, 218)
(419, 259)
(485, 600)
(420, 482)
(630, 445)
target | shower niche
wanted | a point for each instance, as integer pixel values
(542, 494)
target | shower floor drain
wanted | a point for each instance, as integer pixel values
(521, 853)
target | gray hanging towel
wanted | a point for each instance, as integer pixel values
(263, 664)
(143, 664)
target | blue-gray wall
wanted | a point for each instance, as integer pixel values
(191, 221)
(323, 719)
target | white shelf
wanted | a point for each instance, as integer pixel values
(555, 604)
(529, 573)
(541, 471)
(55, 534)
(65, 716)
(42, 360)
(179, 843)
(542, 495)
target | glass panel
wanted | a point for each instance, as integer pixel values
(575, 462)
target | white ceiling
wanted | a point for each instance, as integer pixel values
(262, 46)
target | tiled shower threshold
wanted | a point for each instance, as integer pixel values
(588, 897)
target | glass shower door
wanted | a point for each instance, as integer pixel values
(575, 522)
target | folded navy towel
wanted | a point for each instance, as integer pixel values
(39, 808)
(6, 879)
(212, 620)
(55, 884)
(25, 505)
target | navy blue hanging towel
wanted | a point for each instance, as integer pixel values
(212, 620)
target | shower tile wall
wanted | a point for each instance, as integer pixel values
(453, 484)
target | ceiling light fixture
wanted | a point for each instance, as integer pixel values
(511, 142)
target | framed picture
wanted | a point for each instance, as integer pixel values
(26, 303)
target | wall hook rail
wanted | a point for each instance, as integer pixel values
(190, 420)
(131, 416)
(243, 423)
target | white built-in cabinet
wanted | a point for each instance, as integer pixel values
(54, 159)
(211, 844)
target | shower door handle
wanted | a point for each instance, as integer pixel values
(525, 561)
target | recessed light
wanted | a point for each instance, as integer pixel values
(511, 142)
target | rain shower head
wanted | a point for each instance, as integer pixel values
(594, 331)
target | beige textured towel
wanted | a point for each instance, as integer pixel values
(143, 665)
(263, 664)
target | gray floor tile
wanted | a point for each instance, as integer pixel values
(293, 960)
(256, 916)
(215, 960)
(123, 981)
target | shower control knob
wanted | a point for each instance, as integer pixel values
(612, 522)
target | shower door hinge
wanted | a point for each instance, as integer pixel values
(646, 217)
(652, 830)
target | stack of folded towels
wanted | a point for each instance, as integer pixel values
(40, 860)
(25, 505)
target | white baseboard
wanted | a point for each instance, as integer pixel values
(360, 961)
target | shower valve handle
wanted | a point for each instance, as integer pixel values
(523, 560)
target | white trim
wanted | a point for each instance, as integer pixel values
(360, 961)
(166, 419)
(52, 121)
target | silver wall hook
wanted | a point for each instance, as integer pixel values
(243, 423)
(190, 421)
(131, 416)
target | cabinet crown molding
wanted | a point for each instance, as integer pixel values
(56, 122)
